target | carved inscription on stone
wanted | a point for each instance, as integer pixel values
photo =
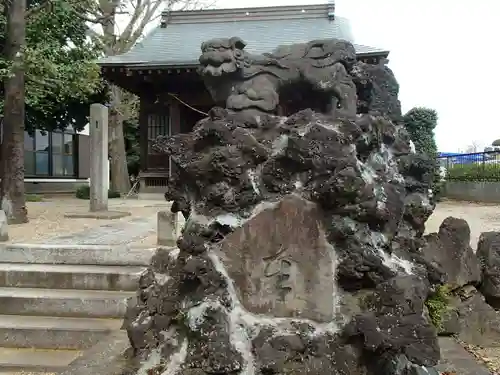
(281, 263)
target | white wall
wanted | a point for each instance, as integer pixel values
(85, 130)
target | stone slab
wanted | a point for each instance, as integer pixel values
(169, 227)
(455, 359)
(64, 302)
(110, 234)
(121, 278)
(105, 358)
(54, 332)
(36, 360)
(281, 263)
(103, 215)
(104, 255)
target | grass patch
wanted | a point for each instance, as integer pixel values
(438, 304)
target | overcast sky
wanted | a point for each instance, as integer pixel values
(443, 53)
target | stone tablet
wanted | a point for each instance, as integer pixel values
(281, 263)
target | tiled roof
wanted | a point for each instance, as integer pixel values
(179, 42)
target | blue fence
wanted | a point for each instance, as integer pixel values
(477, 166)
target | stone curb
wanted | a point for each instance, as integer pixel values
(455, 359)
(111, 255)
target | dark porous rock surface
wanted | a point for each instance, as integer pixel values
(450, 322)
(479, 322)
(377, 89)
(394, 322)
(301, 253)
(450, 254)
(488, 253)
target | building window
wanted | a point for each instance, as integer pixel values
(29, 154)
(157, 125)
(50, 154)
(41, 153)
(62, 154)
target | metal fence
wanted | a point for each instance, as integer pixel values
(478, 166)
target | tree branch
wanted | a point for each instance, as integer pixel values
(31, 11)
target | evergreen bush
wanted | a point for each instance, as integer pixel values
(83, 192)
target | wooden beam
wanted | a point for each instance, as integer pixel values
(175, 120)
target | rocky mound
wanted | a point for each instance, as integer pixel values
(301, 254)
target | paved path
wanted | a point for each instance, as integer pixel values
(110, 234)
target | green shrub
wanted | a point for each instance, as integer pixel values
(33, 198)
(420, 123)
(473, 172)
(113, 194)
(437, 304)
(83, 192)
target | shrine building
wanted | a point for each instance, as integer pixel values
(162, 68)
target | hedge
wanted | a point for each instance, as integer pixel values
(83, 192)
(473, 172)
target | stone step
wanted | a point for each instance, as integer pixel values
(53, 332)
(76, 254)
(64, 302)
(31, 361)
(64, 276)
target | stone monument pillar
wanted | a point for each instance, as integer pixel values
(169, 228)
(98, 157)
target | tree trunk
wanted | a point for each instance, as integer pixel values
(13, 200)
(120, 180)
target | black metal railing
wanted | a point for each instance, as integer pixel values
(477, 166)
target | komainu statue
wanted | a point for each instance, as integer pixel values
(254, 84)
(303, 251)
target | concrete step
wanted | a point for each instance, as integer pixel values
(54, 332)
(30, 361)
(64, 276)
(76, 254)
(64, 302)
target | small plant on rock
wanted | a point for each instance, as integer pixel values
(437, 304)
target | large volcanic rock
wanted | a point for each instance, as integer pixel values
(302, 252)
(451, 255)
(299, 256)
(488, 252)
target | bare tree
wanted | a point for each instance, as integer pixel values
(12, 185)
(473, 147)
(134, 16)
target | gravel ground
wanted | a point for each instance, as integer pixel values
(490, 357)
(47, 218)
(481, 218)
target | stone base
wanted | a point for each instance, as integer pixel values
(151, 196)
(106, 215)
